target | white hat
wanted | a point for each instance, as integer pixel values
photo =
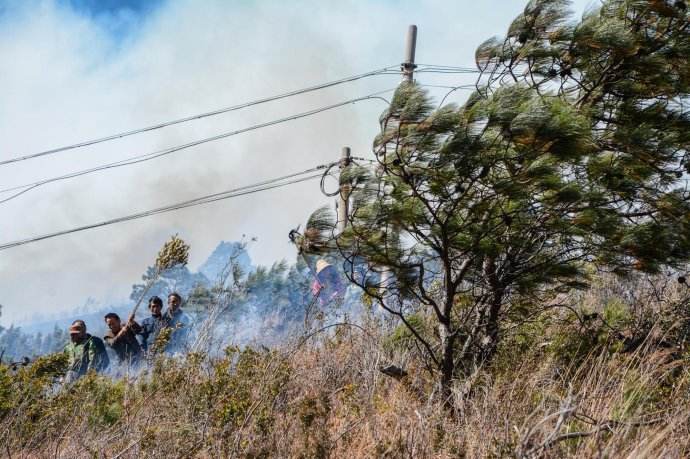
(321, 264)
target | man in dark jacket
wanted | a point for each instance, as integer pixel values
(179, 322)
(152, 326)
(84, 352)
(123, 339)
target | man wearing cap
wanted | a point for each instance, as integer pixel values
(84, 352)
(123, 339)
(327, 284)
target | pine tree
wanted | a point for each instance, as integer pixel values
(569, 157)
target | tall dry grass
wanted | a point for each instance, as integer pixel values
(563, 394)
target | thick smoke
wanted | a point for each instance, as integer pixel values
(69, 76)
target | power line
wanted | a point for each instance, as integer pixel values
(146, 157)
(445, 72)
(21, 189)
(449, 67)
(241, 191)
(390, 70)
(385, 70)
(429, 68)
(464, 86)
(149, 156)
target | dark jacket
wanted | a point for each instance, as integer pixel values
(181, 325)
(150, 328)
(125, 344)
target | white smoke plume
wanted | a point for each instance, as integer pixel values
(69, 74)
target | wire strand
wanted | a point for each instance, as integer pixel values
(454, 67)
(385, 70)
(149, 156)
(464, 86)
(236, 192)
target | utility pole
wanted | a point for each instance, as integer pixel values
(345, 190)
(407, 68)
(408, 64)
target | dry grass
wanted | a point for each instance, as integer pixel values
(323, 395)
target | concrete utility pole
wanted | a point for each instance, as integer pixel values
(408, 64)
(345, 190)
(407, 68)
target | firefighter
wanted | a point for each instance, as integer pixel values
(84, 352)
(328, 284)
(123, 339)
(179, 322)
(152, 326)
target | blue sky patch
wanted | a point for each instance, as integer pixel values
(122, 19)
(98, 7)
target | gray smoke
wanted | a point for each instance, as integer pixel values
(67, 77)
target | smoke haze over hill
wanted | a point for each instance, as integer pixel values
(71, 73)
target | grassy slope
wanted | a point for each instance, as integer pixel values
(556, 390)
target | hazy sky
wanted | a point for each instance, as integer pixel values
(80, 69)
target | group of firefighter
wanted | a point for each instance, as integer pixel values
(133, 343)
(130, 341)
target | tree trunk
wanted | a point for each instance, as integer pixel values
(447, 363)
(491, 328)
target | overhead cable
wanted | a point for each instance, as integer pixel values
(450, 67)
(385, 70)
(241, 191)
(430, 68)
(442, 71)
(21, 189)
(464, 86)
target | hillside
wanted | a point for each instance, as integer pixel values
(507, 277)
(579, 390)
